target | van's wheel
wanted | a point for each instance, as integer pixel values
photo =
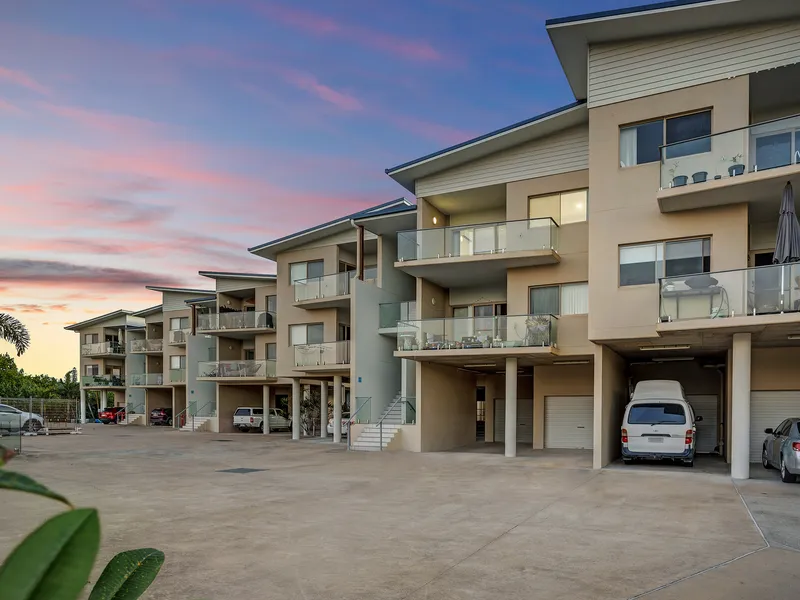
(627, 461)
(786, 477)
(688, 463)
(764, 459)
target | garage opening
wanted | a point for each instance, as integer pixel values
(232, 397)
(569, 422)
(524, 421)
(769, 409)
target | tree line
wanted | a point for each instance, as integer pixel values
(16, 383)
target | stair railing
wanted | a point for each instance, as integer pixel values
(180, 419)
(351, 420)
(399, 399)
(199, 409)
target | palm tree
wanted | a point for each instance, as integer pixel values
(14, 332)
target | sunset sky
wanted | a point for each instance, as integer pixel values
(144, 140)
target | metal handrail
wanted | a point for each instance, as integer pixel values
(176, 422)
(353, 416)
(386, 414)
(199, 409)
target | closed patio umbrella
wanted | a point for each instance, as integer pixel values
(787, 243)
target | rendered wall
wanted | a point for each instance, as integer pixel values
(232, 397)
(610, 399)
(446, 407)
(203, 393)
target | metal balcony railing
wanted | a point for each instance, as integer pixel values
(327, 353)
(149, 345)
(250, 319)
(224, 369)
(146, 379)
(103, 381)
(179, 336)
(103, 348)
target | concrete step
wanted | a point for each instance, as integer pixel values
(361, 448)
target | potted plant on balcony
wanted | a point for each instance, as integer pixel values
(736, 167)
(677, 180)
(538, 330)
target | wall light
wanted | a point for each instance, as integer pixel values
(794, 336)
(570, 362)
(435, 220)
(652, 348)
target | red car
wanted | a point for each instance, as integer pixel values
(112, 415)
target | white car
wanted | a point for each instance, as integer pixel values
(248, 418)
(345, 419)
(12, 418)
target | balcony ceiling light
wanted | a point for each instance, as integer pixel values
(571, 362)
(478, 366)
(794, 336)
(673, 359)
(656, 348)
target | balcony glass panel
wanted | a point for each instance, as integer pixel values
(177, 375)
(103, 381)
(476, 240)
(392, 312)
(224, 369)
(327, 353)
(327, 286)
(758, 147)
(766, 290)
(103, 348)
(251, 319)
(462, 333)
(149, 345)
(178, 336)
(146, 379)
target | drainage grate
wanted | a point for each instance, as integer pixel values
(240, 470)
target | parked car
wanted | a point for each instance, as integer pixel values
(782, 449)
(111, 415)
(161, 416)
(659, 424)
(345, 419)
(11, 418)
(247, 418)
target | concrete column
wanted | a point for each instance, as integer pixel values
(323, 410)
(511, 407)
(296, 391)
(337, 409)
(265, 404)
(740, 409)
(83, 405)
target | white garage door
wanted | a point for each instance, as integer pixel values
(707, 429)
(768, 409)
(569, 422)
(524, 420)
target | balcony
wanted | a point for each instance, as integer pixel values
(236, 370)
(103, 349)
(178, 337)
(327, 356)
(103, 381)
(151, 346)
(237, 324)
(749, 299)
(391, 313)
(461, 340)
(177, 375)
(143, 379)
(448, 256)
(743, 165)
(328, 291)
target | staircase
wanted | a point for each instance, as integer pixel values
(370, 438)
(199, 424)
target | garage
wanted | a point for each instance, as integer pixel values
(569, 422)
(524, 420)
(768, 409)
(707, 430)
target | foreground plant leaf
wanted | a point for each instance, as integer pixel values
(54, 562)
(22, 483)
(6, 454)
(128, 575)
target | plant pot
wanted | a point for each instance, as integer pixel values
(735, 170)
(680, 180)
(700, 177)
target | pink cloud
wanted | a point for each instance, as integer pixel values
(23, 80)
(7, 107)
(104, 121)
(309, 83)
(433, 131)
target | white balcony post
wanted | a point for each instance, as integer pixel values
(296, 391)
(740, 407)
(323, 410)
(83, 406)
(511, 407)
(265, 404)
(337, 409)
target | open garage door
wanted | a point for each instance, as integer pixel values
(524, 420)
(708, 428)
(569, 422)
(768, 409)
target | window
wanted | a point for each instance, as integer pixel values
(242, 412)
(93, 369)
(178, 323)
(272, 351)
(305, 334)
(258, 411)
(640, 144)
(575, 299)
(640, 264)
(567, 299)
(545, 300)
(306, 270)
(343, 332)
(272, 304)
(563, 208)
(249, 354)
(657, 413)
(177, 361)
(91, 338)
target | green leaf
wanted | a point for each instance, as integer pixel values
(22, 483)
(54, 562)
(128, 575)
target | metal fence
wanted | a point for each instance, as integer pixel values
(42, 416)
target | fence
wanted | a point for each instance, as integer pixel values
(38, 415)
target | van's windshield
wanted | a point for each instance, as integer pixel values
(657, 413)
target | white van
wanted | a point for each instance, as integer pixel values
(659, 424)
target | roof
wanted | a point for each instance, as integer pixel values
(201, 300)
(156, 288)
(490, 143)
(148, 311)
(271, 249)
(223, 275)
(391, 221)
(100, 319)
(572, 36)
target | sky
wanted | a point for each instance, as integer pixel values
(144, 140)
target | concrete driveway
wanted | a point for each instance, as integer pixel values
(317, 522)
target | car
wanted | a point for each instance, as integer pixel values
(112, 415)
(161, 416)
(345, 419)
(659, 424)
(781, 449)
(246, 418)
(12, 418)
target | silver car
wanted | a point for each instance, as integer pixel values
(782, 449)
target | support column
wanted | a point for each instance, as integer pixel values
(296, 391)
(265, 404)
(83, 405)
(511, 407)
(323, 410)
(337, 409)
(740, 407)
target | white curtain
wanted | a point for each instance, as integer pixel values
(627, 147)
(575, 299)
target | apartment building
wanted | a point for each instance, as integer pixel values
(627, 236)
